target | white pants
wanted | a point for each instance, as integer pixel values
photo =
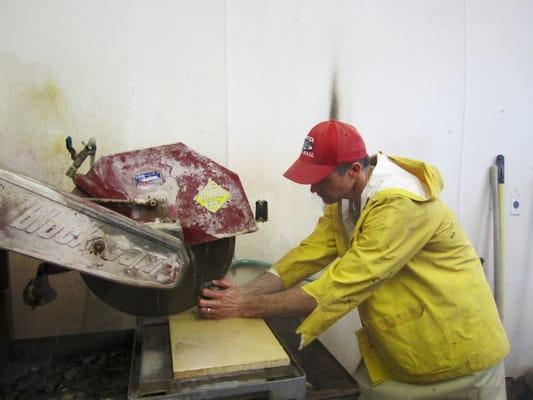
(485, 385)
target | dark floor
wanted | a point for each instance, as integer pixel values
(520, 388)
(90, 374)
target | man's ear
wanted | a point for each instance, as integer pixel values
(355, 169)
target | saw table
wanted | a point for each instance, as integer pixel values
(311, 373)
(195, 361)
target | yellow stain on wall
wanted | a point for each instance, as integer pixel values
(58, 145)
(48, 98)
(46, 104)
(38, 121)
(37, 110)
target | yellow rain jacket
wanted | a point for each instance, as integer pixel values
(427, 311)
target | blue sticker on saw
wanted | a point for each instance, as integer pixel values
(148, 178)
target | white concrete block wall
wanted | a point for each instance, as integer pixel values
(242, 81)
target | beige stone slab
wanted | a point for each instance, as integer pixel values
(202, 347)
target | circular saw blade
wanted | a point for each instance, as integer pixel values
(209, 261)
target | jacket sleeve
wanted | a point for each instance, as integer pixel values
(394, 230)
(311, 255)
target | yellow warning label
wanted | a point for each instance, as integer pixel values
(212, 196)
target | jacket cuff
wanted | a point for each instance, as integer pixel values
(313, 325)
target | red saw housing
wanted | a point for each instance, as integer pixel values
(207, 199)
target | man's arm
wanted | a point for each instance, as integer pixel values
(255, 300)
(263, 284)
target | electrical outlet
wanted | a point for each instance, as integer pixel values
(515, 204)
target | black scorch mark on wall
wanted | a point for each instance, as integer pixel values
(334, 99)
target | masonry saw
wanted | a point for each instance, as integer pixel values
(146, 229)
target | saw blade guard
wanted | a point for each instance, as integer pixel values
(172, 183)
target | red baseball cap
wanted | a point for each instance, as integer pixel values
(327, 145)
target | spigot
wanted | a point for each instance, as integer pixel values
(89, 149)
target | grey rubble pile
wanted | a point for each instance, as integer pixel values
(103, 375)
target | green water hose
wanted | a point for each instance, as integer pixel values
(247, 262)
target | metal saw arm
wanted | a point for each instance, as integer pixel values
(58, 227)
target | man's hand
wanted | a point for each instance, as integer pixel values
(233, 302)
(226, 302)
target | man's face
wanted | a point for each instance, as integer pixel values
(334, 187)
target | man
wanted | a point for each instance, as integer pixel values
(390, 247)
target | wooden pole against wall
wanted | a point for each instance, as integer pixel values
(497, 189)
